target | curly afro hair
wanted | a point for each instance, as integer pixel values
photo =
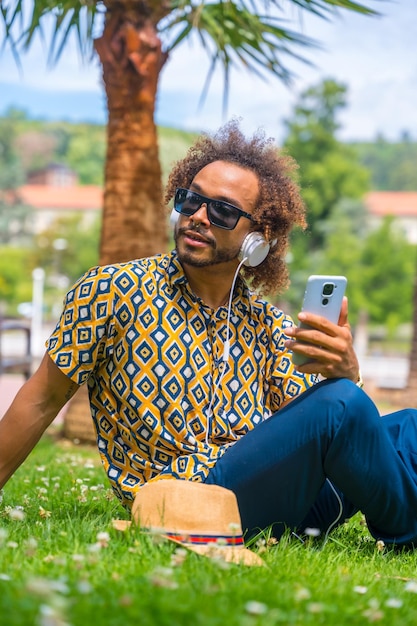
(279, 207)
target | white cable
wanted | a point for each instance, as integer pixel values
(326, 536)
(226, 350)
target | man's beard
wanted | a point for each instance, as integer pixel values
(218, 256)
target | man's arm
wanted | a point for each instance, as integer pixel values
(34, 408)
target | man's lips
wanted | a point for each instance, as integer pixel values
(195, 238)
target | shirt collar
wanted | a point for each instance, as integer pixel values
(177, 277)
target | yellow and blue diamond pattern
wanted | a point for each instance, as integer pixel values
(152, 354)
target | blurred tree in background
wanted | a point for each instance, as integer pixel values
(329, 169)
(331, 177)
(68, 247)
(387, 271)
(15, 278)
(378, 263)
(392, 165)
(15, 222)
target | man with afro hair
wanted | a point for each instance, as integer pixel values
(190, 371)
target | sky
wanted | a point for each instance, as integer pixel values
(375, 57)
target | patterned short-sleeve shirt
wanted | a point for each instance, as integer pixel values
(163, 400)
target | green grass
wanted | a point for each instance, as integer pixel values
(57, 569)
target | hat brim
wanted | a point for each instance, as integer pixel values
(237, 555)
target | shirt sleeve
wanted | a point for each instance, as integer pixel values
(83, 334)
(284, 381)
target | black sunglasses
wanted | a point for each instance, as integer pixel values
(221, 214)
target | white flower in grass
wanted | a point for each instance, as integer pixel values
(40, 468)
(17, 514)
(78, 558)
(12, 544)
(51, 616)
(394, 603)
(162, 577)
(312, 532)
(234, 528)
(94, 547)
(164, 571)
(31, 546)
(103, 539)
(84, 587)
(411, 586)
(49, 558)
(315, 607)
(302, 594)
(256, 608)
(179, 557)
(221, 562)
(360, 589)
(39, 586)
(45, 586)
(374, 613)
(380, 545)
(4, 577)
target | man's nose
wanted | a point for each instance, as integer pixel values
(201, 215)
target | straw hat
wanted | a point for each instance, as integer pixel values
(202, 518)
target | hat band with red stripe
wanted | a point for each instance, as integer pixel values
(205, 540)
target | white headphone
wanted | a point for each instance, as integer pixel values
(254, 248)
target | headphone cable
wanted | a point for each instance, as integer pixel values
(226, 350)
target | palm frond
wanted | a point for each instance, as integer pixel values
(233, 35)
(67, 17)
(324, 7)
(236, 34)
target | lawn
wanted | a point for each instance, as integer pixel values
(62, 563)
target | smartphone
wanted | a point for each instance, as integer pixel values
(323, 296)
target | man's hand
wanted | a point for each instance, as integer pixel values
(328, 346)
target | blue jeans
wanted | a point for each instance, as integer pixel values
(333, 431)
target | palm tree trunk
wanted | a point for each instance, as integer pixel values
(134, 220)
